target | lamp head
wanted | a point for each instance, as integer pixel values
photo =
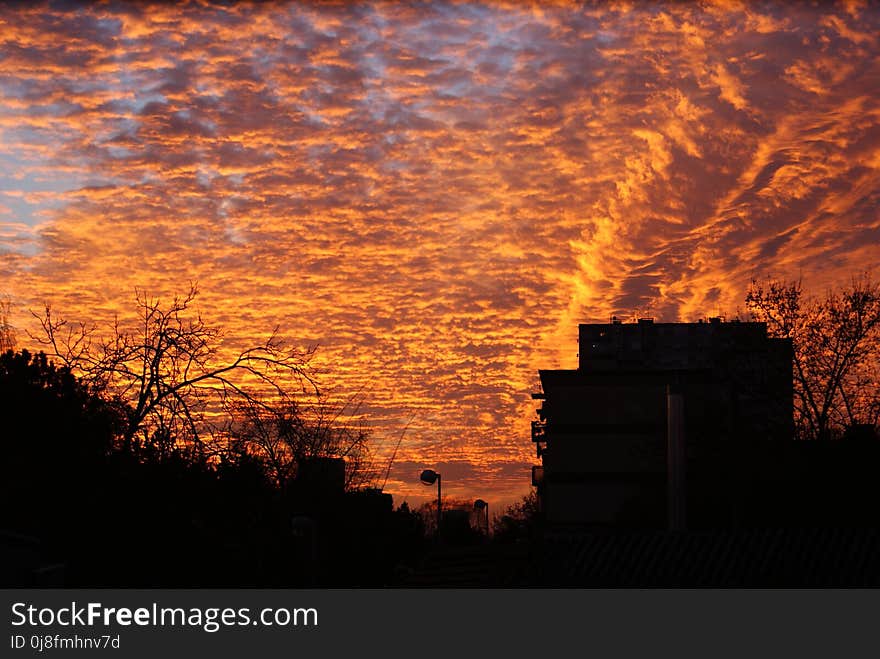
(429, 477)
(479, 504)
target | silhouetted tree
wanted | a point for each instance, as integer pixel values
(285, 431)
(836, 342)
(519, 521)
(54, 445)
(116, 514)
(168, 371)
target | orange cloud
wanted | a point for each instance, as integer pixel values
(434, 195)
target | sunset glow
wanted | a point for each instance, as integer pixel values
(435, 196)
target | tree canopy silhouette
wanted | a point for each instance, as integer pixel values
(54, 445)
(519, 521)
(117, 514)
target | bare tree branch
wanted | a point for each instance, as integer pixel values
(168, 372)
(836, 345)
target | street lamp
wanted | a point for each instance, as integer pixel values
(479, 504)
(428, 477)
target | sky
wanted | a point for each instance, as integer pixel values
(434, 194)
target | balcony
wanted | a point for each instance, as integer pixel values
(539, 431)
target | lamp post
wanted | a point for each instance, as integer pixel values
(479, 504)
(428, 476)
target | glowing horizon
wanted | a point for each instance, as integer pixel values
(435, 196)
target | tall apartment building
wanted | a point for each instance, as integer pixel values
(652, 428)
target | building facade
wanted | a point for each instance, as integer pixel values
(652, 427)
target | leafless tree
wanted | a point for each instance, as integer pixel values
(167, 372)
(836, 343)
(285, 431)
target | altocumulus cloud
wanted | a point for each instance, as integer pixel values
(435, 195)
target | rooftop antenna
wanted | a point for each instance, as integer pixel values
(394, 454)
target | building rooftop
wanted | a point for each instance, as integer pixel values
(646, 345)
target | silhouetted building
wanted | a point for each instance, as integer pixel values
(654, 414)
(320, 477)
